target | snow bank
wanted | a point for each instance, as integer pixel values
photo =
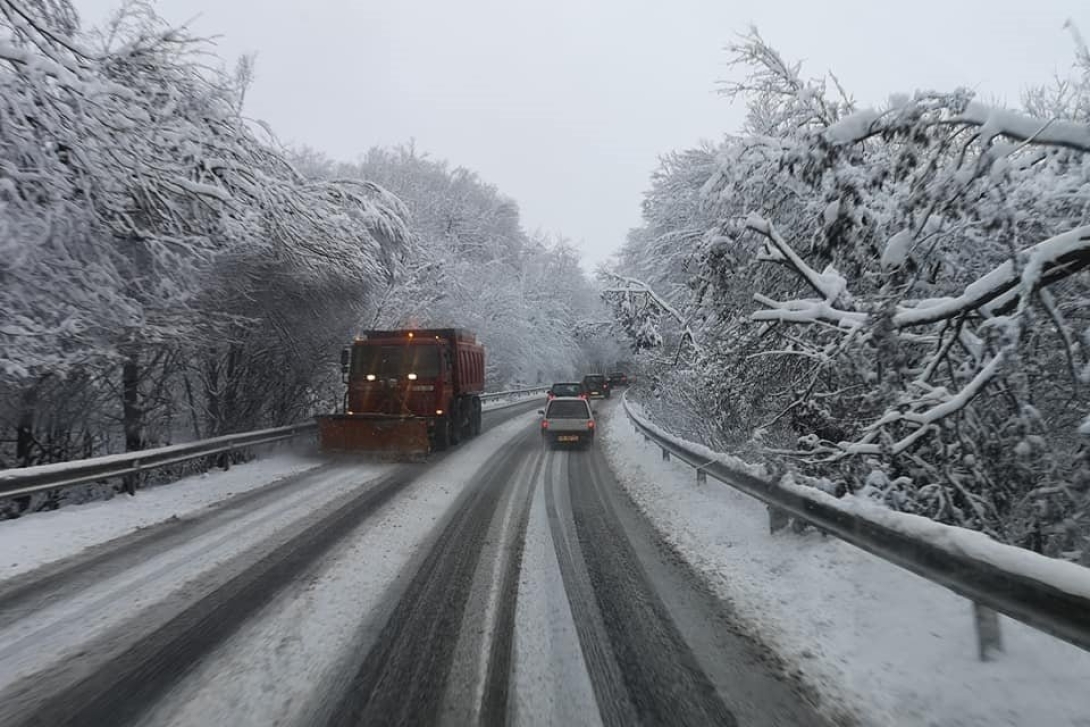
(44, 537)
(869, 636)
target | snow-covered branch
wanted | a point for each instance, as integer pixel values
(920, 333)
(991, 122)
(1040, 265)
(830, 284)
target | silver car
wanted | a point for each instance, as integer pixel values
(567, 420)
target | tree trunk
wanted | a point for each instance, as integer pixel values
(133, 413)
(212, 396)
(231, 383)
(24, 428)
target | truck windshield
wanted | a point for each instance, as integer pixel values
(396, 360)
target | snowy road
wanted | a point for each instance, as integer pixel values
(499, 583)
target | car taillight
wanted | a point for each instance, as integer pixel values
(544, 423)
(590, 424)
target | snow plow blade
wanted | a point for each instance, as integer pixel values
(361, 434)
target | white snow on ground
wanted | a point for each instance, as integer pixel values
(869, 636)
(170, 579)
(266, 672)
(39, 538)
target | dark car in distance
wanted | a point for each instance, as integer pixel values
(596, 385)
(618, 379)
(574, 389)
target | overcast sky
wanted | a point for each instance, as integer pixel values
(566, 104)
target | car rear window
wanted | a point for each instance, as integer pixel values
(567, 389)
(594, 380)
(568, 410)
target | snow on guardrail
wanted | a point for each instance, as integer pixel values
(1048, 594)
(514, 393)
(1061, 574)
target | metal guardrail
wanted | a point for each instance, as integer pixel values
(44, 478)
(991, 588)
(515, 393)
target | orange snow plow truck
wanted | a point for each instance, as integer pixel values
(410, 391)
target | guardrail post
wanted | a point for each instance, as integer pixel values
(701, 477)
(225, 458)
(129, 480)
(777, 519)
(665, 455)
(988, 637)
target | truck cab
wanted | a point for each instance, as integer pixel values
(405, 386)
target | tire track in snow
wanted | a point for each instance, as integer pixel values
(615, 708)
(664, 681)
(291, 663)
(550, 682)
(117, 690)
(34, 591)
(479, 686)
(404, 677)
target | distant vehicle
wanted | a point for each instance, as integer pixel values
(618, 379)
(597, 386)
(567, 389)
(567, 420)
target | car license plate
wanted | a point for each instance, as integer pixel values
(568, 438)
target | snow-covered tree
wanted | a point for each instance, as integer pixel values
(894, 298)
(472, 264)
(149, 233)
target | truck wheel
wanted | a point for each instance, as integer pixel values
(442, 434)
(456, 424)
(475, 420)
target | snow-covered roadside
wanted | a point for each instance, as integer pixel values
(44, 537)
(871, 637)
